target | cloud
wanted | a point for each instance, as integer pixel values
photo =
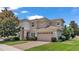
(24, 11)
(35, 17)
(9, 8)
(1, 8)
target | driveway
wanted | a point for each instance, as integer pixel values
(30, 44)
(4, 47)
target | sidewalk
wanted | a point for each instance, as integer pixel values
(4, 47)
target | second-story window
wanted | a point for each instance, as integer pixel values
(58, 23)
(32, 24)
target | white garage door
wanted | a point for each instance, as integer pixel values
(44, 37)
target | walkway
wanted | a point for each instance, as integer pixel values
(30, 44)
(4, 47)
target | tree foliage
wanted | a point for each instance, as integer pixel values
(8, 24)
(74, 26)
(68, 32)
(71, 31)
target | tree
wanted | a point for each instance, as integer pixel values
(66, 32)
(71, 31)
(8, 25)
(74, 26)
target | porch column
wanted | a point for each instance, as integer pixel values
(25, 34)
(56, 35)
(22, 34)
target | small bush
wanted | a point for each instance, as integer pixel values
(53, 39)
(16, 38)
(62, 38)
(35, 38)
(67, 37)
(32, 38)
(73, 36)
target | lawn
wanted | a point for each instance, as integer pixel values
(69, 45)
(12, 42)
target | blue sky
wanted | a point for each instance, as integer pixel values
(67, 13)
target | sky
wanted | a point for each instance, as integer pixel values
(67, 13)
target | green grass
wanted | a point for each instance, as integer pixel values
(70, 45)
(12, 42)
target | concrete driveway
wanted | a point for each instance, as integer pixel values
(4, 47)
(30, 44)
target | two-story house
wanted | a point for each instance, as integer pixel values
(43, 28)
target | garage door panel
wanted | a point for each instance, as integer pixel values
(44, 37)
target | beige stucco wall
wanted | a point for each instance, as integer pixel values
(43, 24)
(25, 34)
(21, 35)
(59, 33)
(39, 23)
(25, 24)
(56, 24)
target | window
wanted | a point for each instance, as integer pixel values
(32, 24)
(58, 23)
(33, 34)
(51, 32)
(22, 28)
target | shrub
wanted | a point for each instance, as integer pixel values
(32, 38)
(72, 35)
(16, 38)
(53, 39)
(35, 38)
(67, 37)
(62, 38)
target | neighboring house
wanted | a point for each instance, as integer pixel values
(43, 28)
